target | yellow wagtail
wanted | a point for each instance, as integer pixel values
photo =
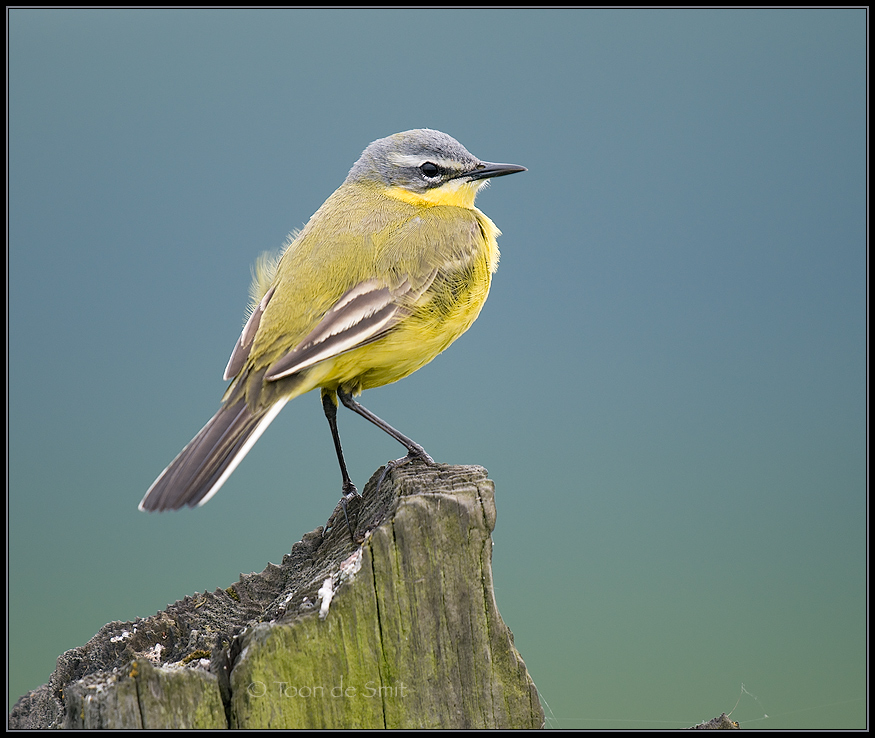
(392, 269)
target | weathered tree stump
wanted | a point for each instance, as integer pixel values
(394, 627)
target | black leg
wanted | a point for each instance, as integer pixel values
(414, 450)
(329, 406)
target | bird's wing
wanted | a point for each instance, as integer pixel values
(244, 343)
(363, 314)
(409, 262)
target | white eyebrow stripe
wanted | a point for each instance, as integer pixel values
(412, 160)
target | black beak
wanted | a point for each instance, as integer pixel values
(486, 170)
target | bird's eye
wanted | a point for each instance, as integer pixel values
(429, 169)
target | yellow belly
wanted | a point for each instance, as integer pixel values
(450, 308)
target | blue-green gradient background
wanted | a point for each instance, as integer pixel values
(667, 384)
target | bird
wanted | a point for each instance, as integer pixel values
(392, 268)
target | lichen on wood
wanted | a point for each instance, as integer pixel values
(393, 626)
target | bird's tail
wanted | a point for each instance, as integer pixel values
(202, 467)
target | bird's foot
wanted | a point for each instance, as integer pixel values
(416, 453)
(350, 495)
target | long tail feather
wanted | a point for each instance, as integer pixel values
(202, 467)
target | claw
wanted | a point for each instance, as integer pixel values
(417, 454)
(350, 493)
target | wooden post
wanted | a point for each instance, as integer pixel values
(394, 627)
